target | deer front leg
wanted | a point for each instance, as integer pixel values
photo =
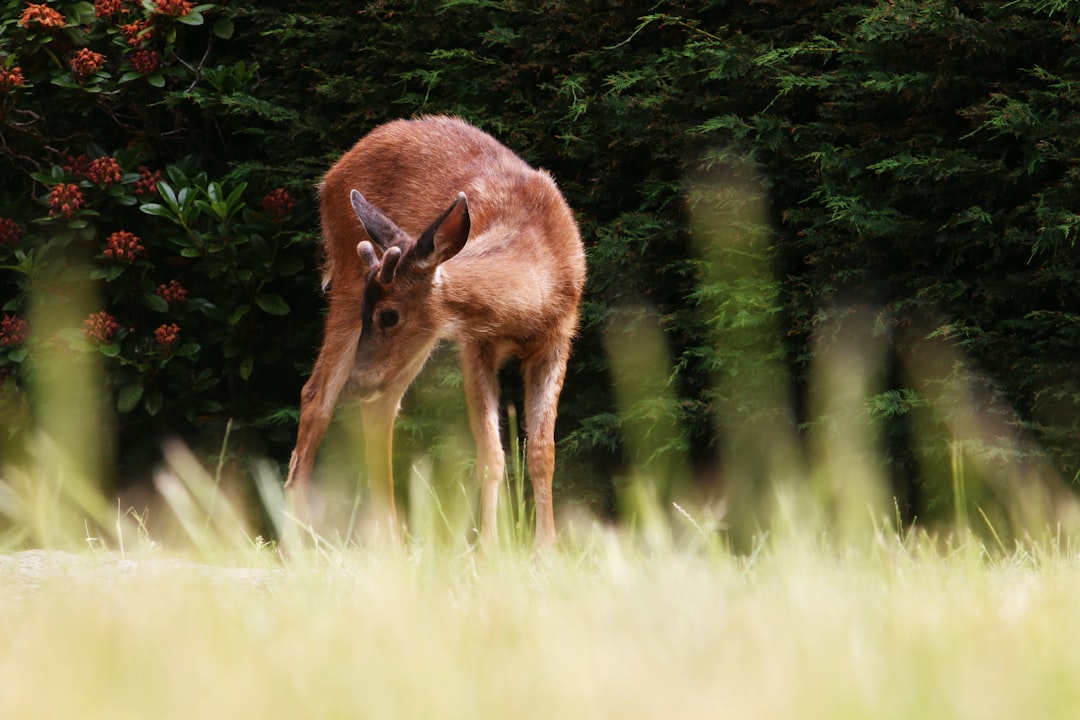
(377, 418)
(543, 383)
(317, 401)
(480, 370)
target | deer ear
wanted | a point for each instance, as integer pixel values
(380, 228)
(447, 235)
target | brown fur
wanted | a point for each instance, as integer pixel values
(503, 276)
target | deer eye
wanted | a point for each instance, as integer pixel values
(388, 319)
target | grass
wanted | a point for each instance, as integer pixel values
(830, 614)
(606, 627)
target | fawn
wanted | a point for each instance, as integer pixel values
(433, 230)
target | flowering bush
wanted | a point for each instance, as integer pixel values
(146, 185)
(65, 200)
(100, 327)
(104, 171)
(173, 294)
(173, 8)
(186, 273)
(40, 15)
(111, 9)
(10, 232)
(11, 79)
(122, 246)
(167, 335)
(278, 204)
(12, 331)
(85, 63)
(145, 62)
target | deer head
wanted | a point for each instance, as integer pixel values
(401, 318)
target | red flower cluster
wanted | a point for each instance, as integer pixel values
(12, 330)
(104, 171)
(11, 79)
(100, 326)
(147, 182)
(123, 246)
(10, 232)
(173, 8)
(77, 166)
(41, 16)
(167, 335)
(65, 200)
(174, 293)
(278, 203)
(85, 63)
(137, 32)
(145, 61)
(109, 9)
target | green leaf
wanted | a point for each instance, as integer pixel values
(65, 81)
(224, 28)
(289, 266)
(238, 191)
(108, 274)
(211, 311)
(155, 302)
(182, 199)
(272, 304)
(246, 366)
(192, 18)
(236, 315)
(213, 191)
(157, 209)
(220, 211)
(166, 191)
(154, 402)
(188, 350)
(156, 79)
(129, 397)
(176, 174)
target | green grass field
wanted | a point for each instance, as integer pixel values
(833, 612)
(828, 609)
(609, 626)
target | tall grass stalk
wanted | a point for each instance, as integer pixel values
(516, 516)
(959, 486)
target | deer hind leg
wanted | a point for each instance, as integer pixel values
(318, 398)
(544, 377)
(480, 369)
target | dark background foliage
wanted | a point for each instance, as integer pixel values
(916, 163)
